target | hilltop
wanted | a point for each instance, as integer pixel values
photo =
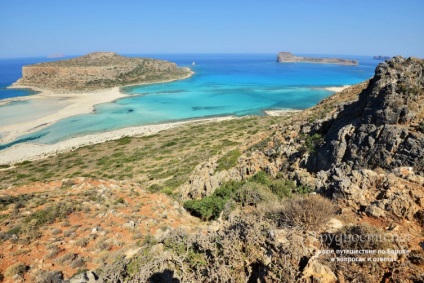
(98, 70)
(287, 57)
(265, 194)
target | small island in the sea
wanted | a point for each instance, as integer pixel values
(98, 70)
(382, 58)
(288, 57)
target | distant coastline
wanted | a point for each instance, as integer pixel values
(287, 57)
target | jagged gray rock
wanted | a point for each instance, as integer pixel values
(381, 129)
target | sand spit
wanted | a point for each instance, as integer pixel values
(80, 103)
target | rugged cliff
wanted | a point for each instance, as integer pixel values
(290, 58)
(384, 128)
(98, 70)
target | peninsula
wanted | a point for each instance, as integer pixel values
(98, 70)
(287, 57)
(84, 82)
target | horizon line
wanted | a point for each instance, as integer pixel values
(196, 53)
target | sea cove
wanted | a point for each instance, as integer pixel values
(223, 85)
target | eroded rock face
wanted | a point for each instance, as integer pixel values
(383, 128)
(98, 70)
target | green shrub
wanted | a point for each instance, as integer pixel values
(228, 160)
(312, 142)
(18, 268)
(155, 188)
(120, 200)
(253, 193)
(168, 144)
(167, 191)
(261, 177)
(228, 190)
(15, 230)
(283, 188)
(207, 208)
(124, 140)
(49, 214)
(303, 190)
(421, 127)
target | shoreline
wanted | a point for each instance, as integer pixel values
(337, 88)
(31, 151)
(280, 112)
(80, 103)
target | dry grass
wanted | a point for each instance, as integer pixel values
(307, 212)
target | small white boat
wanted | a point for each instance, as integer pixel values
(193, 64)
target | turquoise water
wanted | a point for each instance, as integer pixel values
(242, 84)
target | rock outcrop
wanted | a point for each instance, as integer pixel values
(98, 70)
(288, 57)
(384, 128)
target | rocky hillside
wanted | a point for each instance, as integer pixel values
(98, 70)
(290, 58)
(384, 128)
(362, 148)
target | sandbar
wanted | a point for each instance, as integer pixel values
(77, 103)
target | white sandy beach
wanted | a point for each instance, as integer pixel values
(281, 112)
(337, 88)
(78, 103)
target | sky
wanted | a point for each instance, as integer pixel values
(347, 27)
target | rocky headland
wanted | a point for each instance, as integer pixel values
(98, 70)
(287, 57)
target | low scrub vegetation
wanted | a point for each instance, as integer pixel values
(229, 160)
(259, 188)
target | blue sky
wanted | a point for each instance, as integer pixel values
(348, 27)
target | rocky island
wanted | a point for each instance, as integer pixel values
(98, 70)
(380, 57)
(288, 57)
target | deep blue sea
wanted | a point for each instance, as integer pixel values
(223, 84)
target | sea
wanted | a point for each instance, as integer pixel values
(223, 84)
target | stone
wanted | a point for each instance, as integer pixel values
(374, 211)
(85, 277)
(317, 272)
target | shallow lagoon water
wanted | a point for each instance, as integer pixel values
(223, 84)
